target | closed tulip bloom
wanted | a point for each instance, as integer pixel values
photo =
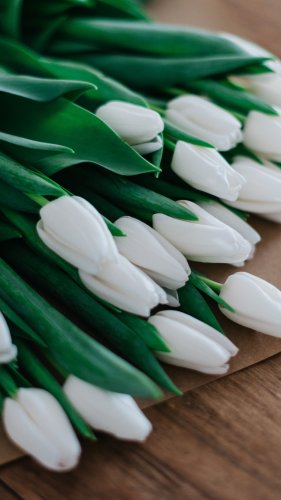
(262, 191)
(36, 423)
(8, 350)
(204, 240)
(205, 169)
(262, 133)
(207, 121)
(231, 219)
(267, 86)
(125, 286)
(74, 230)
(150, 251)
(137, 125)
(193, 344)
(106, 411)
(256, 302)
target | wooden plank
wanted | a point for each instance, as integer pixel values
(221, 441)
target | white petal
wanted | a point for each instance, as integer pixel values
(117, 414)
(124, 285)
(205, 240)
(135, 124)
(143, 248)
(146, 148)
(262, 133)
(206, 169)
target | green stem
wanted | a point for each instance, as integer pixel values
(156, 108)
(38, 198)
(212, 284)
(169, 144)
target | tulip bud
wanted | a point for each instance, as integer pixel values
(207, 121)
(231, 219)
(262, 191)
(8, 351)
(106, 411)
(125, 286)
(193, 344)
(256, 302)
(204, 240)
(74, 230)
(266, 86)
(262, 133)
(36, 423)
(147, 249)
(207, 170)
(137, 125)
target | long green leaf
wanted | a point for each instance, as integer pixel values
(141, 72)
(60, 122)
(69, 346)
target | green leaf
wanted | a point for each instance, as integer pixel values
(199, 283)
(146, 331)
(69, 346)
(59, 122)
(107, 88)
(112, 328)
(231, 96)
(7, 383)
(8, 232)
(42, 89)
(30, 364)
(166, 40)
(131, 197)
(192, 302)
(26, 180)
(12, 198)
(10, 12)
(22, 326)
(170, 190)
(141, 72)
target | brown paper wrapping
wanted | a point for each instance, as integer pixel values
(254, 347)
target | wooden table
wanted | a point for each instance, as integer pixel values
(221, 441)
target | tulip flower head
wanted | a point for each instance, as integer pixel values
(106, 411)
(193, 344)
(261, 193)
(137, 125)
(125, 286)
(207, 121)
(256, 302)
(205, 169)
(74, 230)
(262, 134)
(8, 350)
(204, 240)
(266, 86)
(36, 423)
(152, 253)
(231, 219)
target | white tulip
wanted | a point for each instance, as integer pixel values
(262, 133)
(231, 219)
(137, 125)
(207, 121)
(36, 423)
(262, 191)
(125, 286)
(207, 170)
(147, 249)
(193, 344)
(106, 411)
(146, 148)
(8, 351)
(266, 86)
(256, 302)
(204, 240)
(74, 230)
(172, 297)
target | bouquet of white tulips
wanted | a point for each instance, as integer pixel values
(112, 186)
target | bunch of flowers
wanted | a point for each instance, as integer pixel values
(113, 186)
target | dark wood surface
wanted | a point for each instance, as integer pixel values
(221, 441)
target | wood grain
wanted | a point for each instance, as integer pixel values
(221, 441)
